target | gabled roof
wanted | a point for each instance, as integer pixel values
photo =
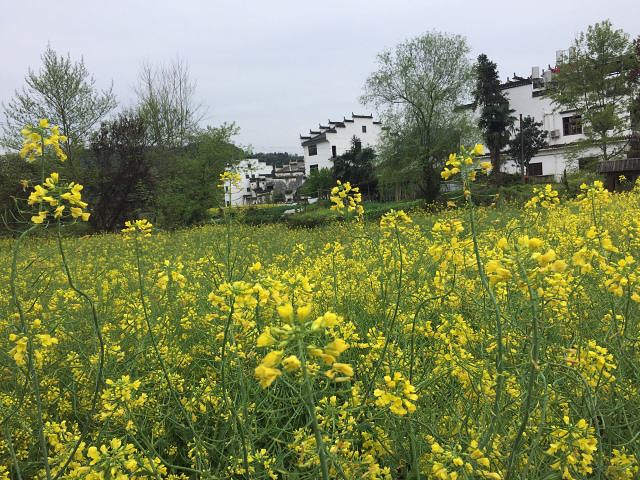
(314, 140)
(518, 82)
(318, 136)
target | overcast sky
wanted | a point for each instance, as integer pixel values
(280, 67)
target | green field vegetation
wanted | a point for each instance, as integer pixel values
(377, 349)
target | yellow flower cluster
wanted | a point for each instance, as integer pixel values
(119, 399)
(572, 448)
(398, 394)
(594, 363)
(594, 194)
(345, 197)
(456, 463)
(394, 222)
(36, 139)
(59, 201)
(119, 461)
(229, 179)
(622, 466)
(142, 227)
(297, 325)
(42, 343)
(546, 197)
(465, 164)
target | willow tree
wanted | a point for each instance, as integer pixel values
(416, 90)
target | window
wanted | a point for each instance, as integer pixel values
(572, 125)
(253, 175)
(534, 169)
(313, 168)
(364, 129)
(588, 163)
(246, 176)
(248, 189)
(334, 151)
(313, 150)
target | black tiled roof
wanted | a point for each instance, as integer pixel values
(516, 83)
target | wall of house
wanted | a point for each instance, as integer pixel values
(247, 168)
(341, 139)
(322, 159)
(541, 108)
(554, 162)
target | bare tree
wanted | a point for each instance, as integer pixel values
(166, 100)
(63, 92)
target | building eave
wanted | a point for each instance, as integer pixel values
(315, 140)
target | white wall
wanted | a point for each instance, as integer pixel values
(341, 139)
(554, 159)
(542, 109)
(250, 167)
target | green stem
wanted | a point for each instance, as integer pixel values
(96, 327)
(533, 367)
(31, 367)
(311, 407)
(163, 367)
(498, 319)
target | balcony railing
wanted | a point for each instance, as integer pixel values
(623, 165)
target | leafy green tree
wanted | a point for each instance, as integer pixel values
(13, 169)
(416, 89)
(495, 114)
(187, 177)
(62, 91)
(528, 140)
(593, 80)
(122, 180)
(319, 184)
(634, 82)
(356, 166)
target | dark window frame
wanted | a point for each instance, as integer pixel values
(364, 129)
(572, 125)
(313, 150)
(313, 168)
(534, 169)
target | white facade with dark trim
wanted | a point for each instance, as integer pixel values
(527, 97)
(329, 141)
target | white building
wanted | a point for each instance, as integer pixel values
(329, 141)
(252, 175)
(262, 183)
(527, 97)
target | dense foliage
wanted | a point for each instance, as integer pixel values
(495, 119)
(593, 79)
(416, 88)
(528, 139)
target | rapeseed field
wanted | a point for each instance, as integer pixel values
(470, 343)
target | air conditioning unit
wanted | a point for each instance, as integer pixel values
(554, 133)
